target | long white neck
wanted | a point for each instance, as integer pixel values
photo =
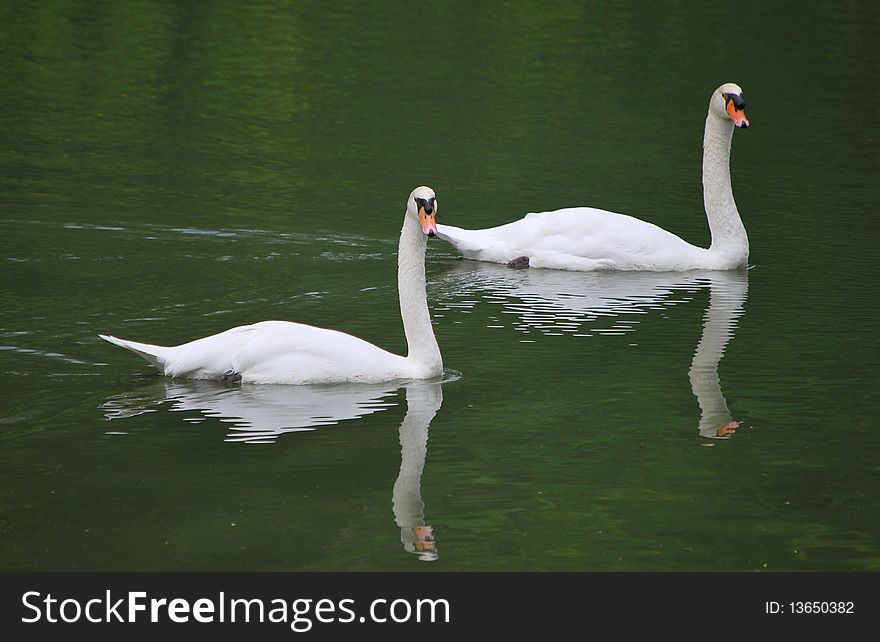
(728, 234)
(420, 340)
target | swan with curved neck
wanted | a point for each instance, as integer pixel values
(295, 353)
(585, 238)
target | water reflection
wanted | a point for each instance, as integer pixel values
(423, 400)
(259, 414)
(727, 295)
(556, 302)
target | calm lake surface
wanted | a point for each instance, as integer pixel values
(168, 171)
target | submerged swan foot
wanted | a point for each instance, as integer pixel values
(519, 262)
(230, 375)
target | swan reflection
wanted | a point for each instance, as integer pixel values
(256, 413)
(726, 297)
(261, 413)
(423, 400)
(557, 302)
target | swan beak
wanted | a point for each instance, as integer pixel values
(737, 115)
(424, 538)
(429, 224)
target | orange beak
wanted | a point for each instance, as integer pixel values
(429, 224)
(738, 116)
(424, 538)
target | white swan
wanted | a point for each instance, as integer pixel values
(585, 238)
(294, 353)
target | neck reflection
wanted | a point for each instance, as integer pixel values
(603, 303)
(423, 400)
(261, 414)
(727, 295)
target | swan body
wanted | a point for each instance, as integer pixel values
(294, 353)
(585, 238)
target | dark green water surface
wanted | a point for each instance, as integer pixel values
(170, 170)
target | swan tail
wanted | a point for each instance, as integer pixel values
(157, 355)
(459, 238)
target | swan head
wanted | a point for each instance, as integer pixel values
(422, 204)
(727, 103)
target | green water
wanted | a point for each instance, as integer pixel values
(170, 170)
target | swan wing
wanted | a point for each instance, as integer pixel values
(578, 238)
(284, 352)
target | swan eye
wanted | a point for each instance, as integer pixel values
(425, 203)
(737, 100)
